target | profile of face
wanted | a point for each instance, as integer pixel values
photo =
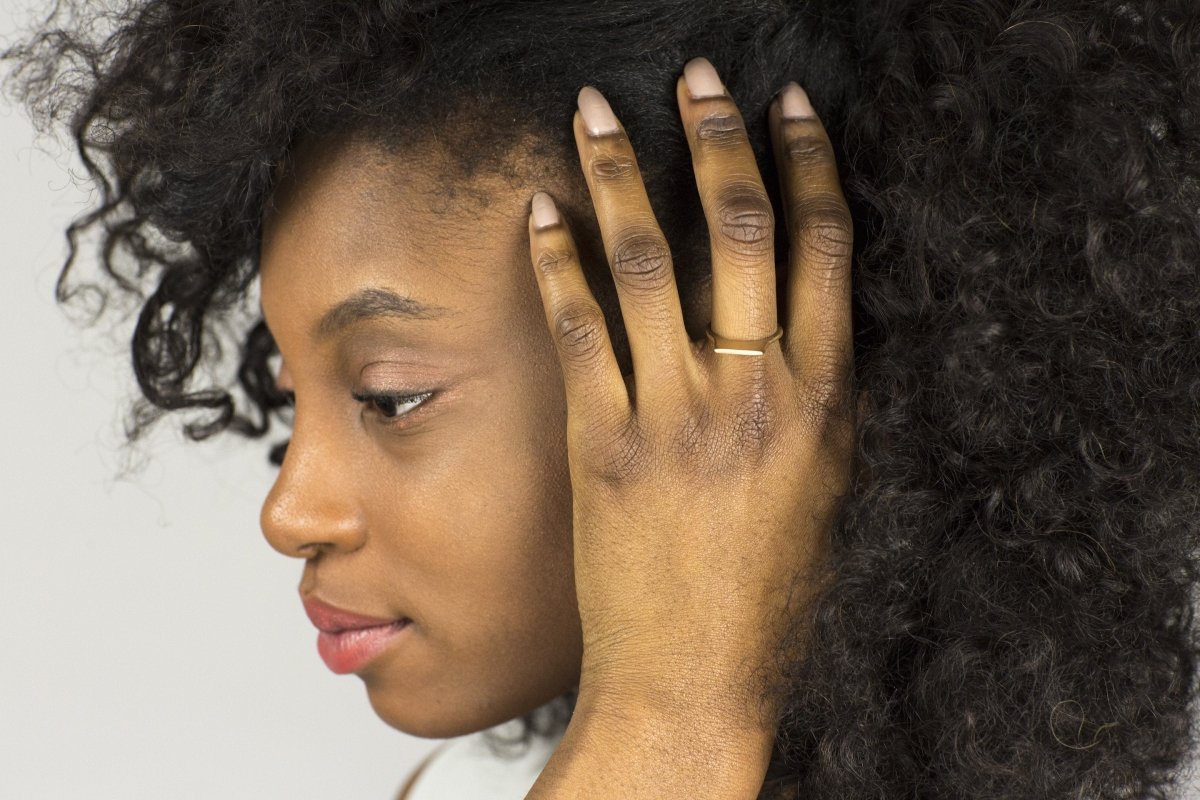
(451, 509)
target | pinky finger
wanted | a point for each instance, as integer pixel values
(595, 389)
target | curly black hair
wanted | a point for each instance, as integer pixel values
(1010, 613)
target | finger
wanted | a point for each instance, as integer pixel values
(741, 222)
(591, 376)
(637, 250)
(818, 332)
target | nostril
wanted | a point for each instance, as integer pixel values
(312, 508)
(303, 519)
(310, 551)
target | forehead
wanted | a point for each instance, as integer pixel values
(347, 215)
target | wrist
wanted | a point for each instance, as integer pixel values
(623, 744)
(733, 707)
(734, 731)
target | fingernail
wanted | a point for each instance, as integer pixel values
(702, 80)
(597, 114)
(794, 103)
(545, 214)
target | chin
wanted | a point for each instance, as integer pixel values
(408, 720)
(445, 715)
(429, 718)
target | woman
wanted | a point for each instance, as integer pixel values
(949, 555)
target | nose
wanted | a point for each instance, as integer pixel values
(311, 508)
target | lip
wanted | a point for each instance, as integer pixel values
(347, 641)
(331, 619)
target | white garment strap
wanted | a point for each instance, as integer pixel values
(465, 769)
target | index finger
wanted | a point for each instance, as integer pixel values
(818, 332)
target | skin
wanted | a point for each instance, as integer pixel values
(460, 517)
(702, 506)
(710, 477)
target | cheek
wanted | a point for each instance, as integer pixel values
(513, 501)
(520, 540)
(481, 507)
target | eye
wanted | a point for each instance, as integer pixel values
(390, 405)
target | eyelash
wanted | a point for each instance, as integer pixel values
(379, 402)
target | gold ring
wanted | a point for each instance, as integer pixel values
(742, 347)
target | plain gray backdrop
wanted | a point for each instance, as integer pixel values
(154, 645)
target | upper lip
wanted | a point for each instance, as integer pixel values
(331, 619)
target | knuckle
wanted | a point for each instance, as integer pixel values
(822, 399)
(690, 439)
(756, 414)
(746, 220)
(617, 455)
(827, 401)
(755, 422)
(642, 262)
(612, 166)
(824, 227)
(578, 329)
(723, 129)
(806, 149)
(552, 260)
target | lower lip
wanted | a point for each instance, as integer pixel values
(349, 651)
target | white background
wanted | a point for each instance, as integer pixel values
(152, 645)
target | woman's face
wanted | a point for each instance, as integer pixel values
(457, 514)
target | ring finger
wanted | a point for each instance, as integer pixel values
(737, 209)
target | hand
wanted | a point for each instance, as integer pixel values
(702, 502)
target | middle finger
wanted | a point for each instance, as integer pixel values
(637, 250)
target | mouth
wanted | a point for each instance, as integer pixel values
(347, 641)
(351, 650)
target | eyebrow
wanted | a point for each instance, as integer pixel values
(374, 303)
